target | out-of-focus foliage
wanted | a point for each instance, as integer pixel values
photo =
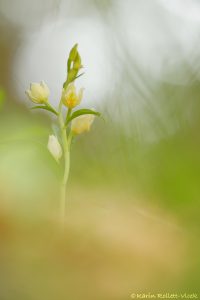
(2, 97)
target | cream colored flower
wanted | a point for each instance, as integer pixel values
(38, 92)
(82, 124)
(70, 97)
(54, 147)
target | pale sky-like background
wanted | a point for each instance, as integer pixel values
(156, 32)
(127, 48)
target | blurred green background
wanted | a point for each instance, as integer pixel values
(133, 194)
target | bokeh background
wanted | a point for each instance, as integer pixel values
(133, 195)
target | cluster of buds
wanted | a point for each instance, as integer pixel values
(73, 65)
(74, 122)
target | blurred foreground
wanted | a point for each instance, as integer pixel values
(126, 231)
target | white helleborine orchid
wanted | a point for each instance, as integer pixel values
(82, 124)
(38, 92)
(70, 97)
(70, 122)
(54, 147)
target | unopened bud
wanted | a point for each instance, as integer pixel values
(54, 147)
(38, 92)
(73, 53)
(82, 124)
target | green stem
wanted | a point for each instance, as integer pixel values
(63, 187)
(66, 152)
(70, 138)
(68, 116)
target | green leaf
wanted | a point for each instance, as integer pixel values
(80, 75)
(46, 108)
(68, 65)
(80, 112)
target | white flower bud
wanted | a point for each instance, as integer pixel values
(70, 97)
(38, 93)
(82, 124)
(54, 147)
